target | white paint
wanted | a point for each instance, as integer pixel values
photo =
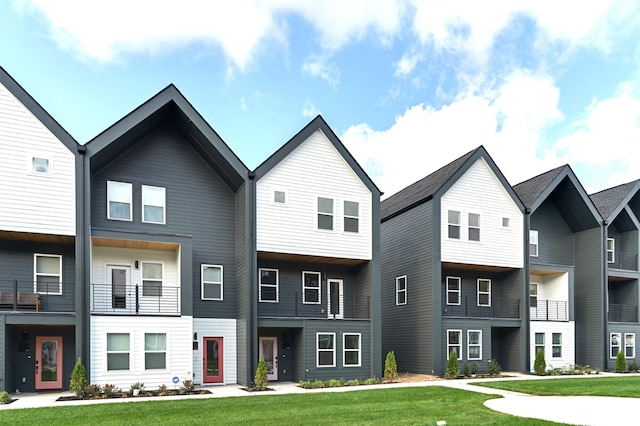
(217, 327)
(567, 328)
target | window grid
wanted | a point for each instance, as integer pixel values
(533, 243)
(474, 226)
(155, 351)
(351, 349)
(119, 200)
(629, 345)
(401, 290)
(453, 220)
(454, 343)
(351, 216)
(614, 344)
(118, 351)
(311, 288)
(453, 291)
(47, 273)
(268, 285)
(212, 277)
(484, 292)
(153, 204)
(611, 250)
(325, 350)
(474, 344)
(556, 345)
(325, 213)
(152, 273)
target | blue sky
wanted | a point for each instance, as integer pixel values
(408, 86)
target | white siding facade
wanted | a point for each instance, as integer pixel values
(479, 191)
(32, 201)
(314, 169)
(567, 329)
(215, 327)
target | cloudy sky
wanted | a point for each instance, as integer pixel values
(407, 85)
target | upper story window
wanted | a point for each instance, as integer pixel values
(474, 227)
(119, 197)
(325, 213)
(47, 273)
(311, 287)
(268, 285)
(212, 285)
(533, 243)
(280, 197)
(401, 290)
(611, 250)
(152, 279)
(454, 224)
(153, 204)
(40, 165)
(505, 222)
(533, 295)
(453, 290)
(351, 216)
(484, 292)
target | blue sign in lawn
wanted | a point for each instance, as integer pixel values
(176, 380)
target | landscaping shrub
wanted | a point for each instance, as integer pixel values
(317, 384)
(108, 390)
(353, 382)
(5, 398)
(188, 386)
(453, 368)
(390, 367)
(469, 368)
(372, 381)
(92, 391)
(78, 380)
(493, 368)
(335, 383)
(621, 363)
(162, 390)
(539, 365)
(633, 366)
(260, 380)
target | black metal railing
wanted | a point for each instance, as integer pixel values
(624, 260)
(550, 310)
(135, 300)
(468, 307)
(291, 305)
(40, 297)
(623, 313)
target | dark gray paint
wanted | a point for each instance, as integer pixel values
(465, 325)
(555, 238)
(622, 329)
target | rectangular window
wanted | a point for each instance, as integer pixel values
(401, 290)
(118, 345)
(351, 216)
(454, 343)
(47, 271)
(40, 165)
(556, 345)
(152, 279)
(505, 222)
(325, 349)
(279, 197)
(268, 285)
(311, 287)
(453, 291)
(474, 344)
(539, 342)
(611, 250)
(155, 351)
(153, 204)
(351, 350)
(454, 224)
(325, 213)
(533, 295)
(533, 243)
(119, 196)
(629, 345)
(614, 345)
(212, 282)
(484, 292)
(474, 227)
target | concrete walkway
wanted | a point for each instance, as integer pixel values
(576, 410)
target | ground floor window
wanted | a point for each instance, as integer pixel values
(155, 351)
(454, 342)
(118, 351)
(539, 342)
(326, 349)
(630, 345)
(614, 346)
(351, 350)
(474, 344)
(556, 345)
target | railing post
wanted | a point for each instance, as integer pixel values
(137, 300)
(15, 295)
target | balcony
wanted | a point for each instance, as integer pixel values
(468, 308)
(43, 297)
(623, 313)
(625, 261)
(290, 305)
(550, 310)
(135, 300)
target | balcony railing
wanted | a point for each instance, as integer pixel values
(468, 307)
(134, 300)
(623, 313)
(291, 305)
(624, 260)
(550, 310)
(38, 297)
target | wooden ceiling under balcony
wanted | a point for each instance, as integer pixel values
(134, 244)
(289, 257)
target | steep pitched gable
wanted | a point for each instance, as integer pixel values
(610, 202)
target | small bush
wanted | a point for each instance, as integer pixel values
(108, 390)
(469, 368)
(137, 385)
(453, 368)
(5, 398)
(304, 384)
(372, 381)
(162, 390)
(539, 365)
(78, 380)
(335, 383)
(493, 368)
(621, 363)
(555, 372)
(317, 384)
(188, 386)
(390, 367)
(260, 380)
(353, 382)
(633, 366)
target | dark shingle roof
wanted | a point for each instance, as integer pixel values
(529, 190)
(608, 200)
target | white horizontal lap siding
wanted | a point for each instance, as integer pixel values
(179, 331)
(314, 169)
(30, 202)
(556, 287)
(568, 342)
(480, 191)
(217, 327)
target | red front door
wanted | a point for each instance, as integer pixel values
(212, 360)
(48, 362)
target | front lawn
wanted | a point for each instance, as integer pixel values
(625, 386)
(416, 405)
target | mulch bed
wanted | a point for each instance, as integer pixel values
(117, 395)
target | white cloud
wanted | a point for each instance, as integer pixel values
(407, 64)
(309, 109)
(318, 66)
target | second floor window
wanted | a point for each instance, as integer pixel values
(454, 224)
(611, 250)
(212, 282)
(40, 165)
(453, 291)
(351, 216)
(152, 279)
(268, 285)
(484, 292)
(533, 295)
(153, 204)
(325, 213)
(311, 287)
(119, 196)
(401, 290)
(533, 243)
(48, 274)
(474, 227)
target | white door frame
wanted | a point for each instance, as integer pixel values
(272, 370)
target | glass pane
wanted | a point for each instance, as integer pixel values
(474, 338)
(474, 352)
(155, 342)
(474, 219)
(556, 352)
(325, 358)
(311, 280)
(153, 196)
(212, 358)
(351, 208)
(351, 358)
(46, 284)
(556, 339)
(402, 298)
(212, 291)
(40, 165)
(454, 337)
(484, 286)
(350, 224)
(454, 217)
(120, 192)
(401, 284)
(453, 298)
(151, 270)
(474, 234)
(483, 299)
(351, 341)
(311, 295)
(279, 197)
(533, 289)
(453, 284)
(154, 361)
(267, 354)
(628, 352)
(325, 341)
(539, 338)
(153, 214)
(325, 205)
(212, 274)
(454, 231)
(48, 265)
(151, 288)
(119, 210)
(268, 293)
(267, 277)
(49, 351)
(118, 361)
(117, 342)
(325, 222)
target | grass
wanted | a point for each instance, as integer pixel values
(626, 386)
(400, 406)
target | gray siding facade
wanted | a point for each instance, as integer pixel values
(555, 238)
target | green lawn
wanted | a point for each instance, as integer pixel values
(626, 386)
(419, 405)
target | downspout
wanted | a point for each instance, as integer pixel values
(81, 343)
(526, 312)
(252, 320)
(605, 295)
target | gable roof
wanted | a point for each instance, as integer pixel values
(611, 201)
(36, 109)
(168, 105)
(317, 123)
(427, 187)
(562, 186)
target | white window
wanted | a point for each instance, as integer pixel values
(119, 196)
(611, 250)
(614, 345)
(401, 290)
(155, 351)
(280, 197)
(505, 222)
(325, 213)
(539, 342)
(325, 349)
(474, 227)
(630, 345)
(351, 350)
(268, 285)
(533, 243)
(311, 287)
(47, 271)
(484, 292)
(351, 216)
(454, 224)
(474, 344)
(153, 204)
(454, 342)
(118, 351)
(453, 290)
(533, 295)
(212, 282)
(40, 165)
(152, 279)
(556, 345)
